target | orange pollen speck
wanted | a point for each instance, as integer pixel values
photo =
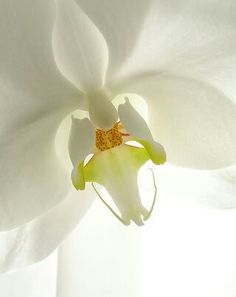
(111, 138)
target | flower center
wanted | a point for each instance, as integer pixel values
(107, 139)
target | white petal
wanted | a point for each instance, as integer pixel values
(31, 178)
(37, 239)
(40, 278)
(80, 50)
(194, 122)
(81, 143)
(181, 187)
(27, 62)
(120, 22)
(133, 121)
(102, 112)
(139, 132)
(82, 140)
(34, 98)
(188, 38)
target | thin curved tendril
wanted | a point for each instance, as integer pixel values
(116, 215)
(154, 198)
(107, 205)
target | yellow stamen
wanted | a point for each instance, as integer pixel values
(108, 139)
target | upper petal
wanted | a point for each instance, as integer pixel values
(194, 122)
(80, 50)
(26, 58)
(30, 83)
(120, 22)
(188, 38)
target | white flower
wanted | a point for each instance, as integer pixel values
(55, 55)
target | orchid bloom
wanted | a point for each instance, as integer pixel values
(69, 59)
(114, 163)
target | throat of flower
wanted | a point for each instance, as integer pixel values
(108, 139)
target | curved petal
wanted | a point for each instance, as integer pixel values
(116, 169)
(102, 112)
(80, 50)
(133, 121)
(35, 240)
(188, 38)
(120, 22)
(194, 122)
(26, 58)
(31, 178)
(34, 98)
(81, 144)
(197, 188)
(139, 131)
(82, 140)
(154, 149)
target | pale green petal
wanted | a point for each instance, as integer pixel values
(79, 48)
(116, 170)
(154, 149)
(77, 176)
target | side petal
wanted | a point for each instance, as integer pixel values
(30, 84)
(79, 48)
(140, 132)
(133, 121)
(194, 122)
(81, 144)
(121, 23)
(34, 98)
(32, 180)
(35, 240)
(154, 149)
(81, 141)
